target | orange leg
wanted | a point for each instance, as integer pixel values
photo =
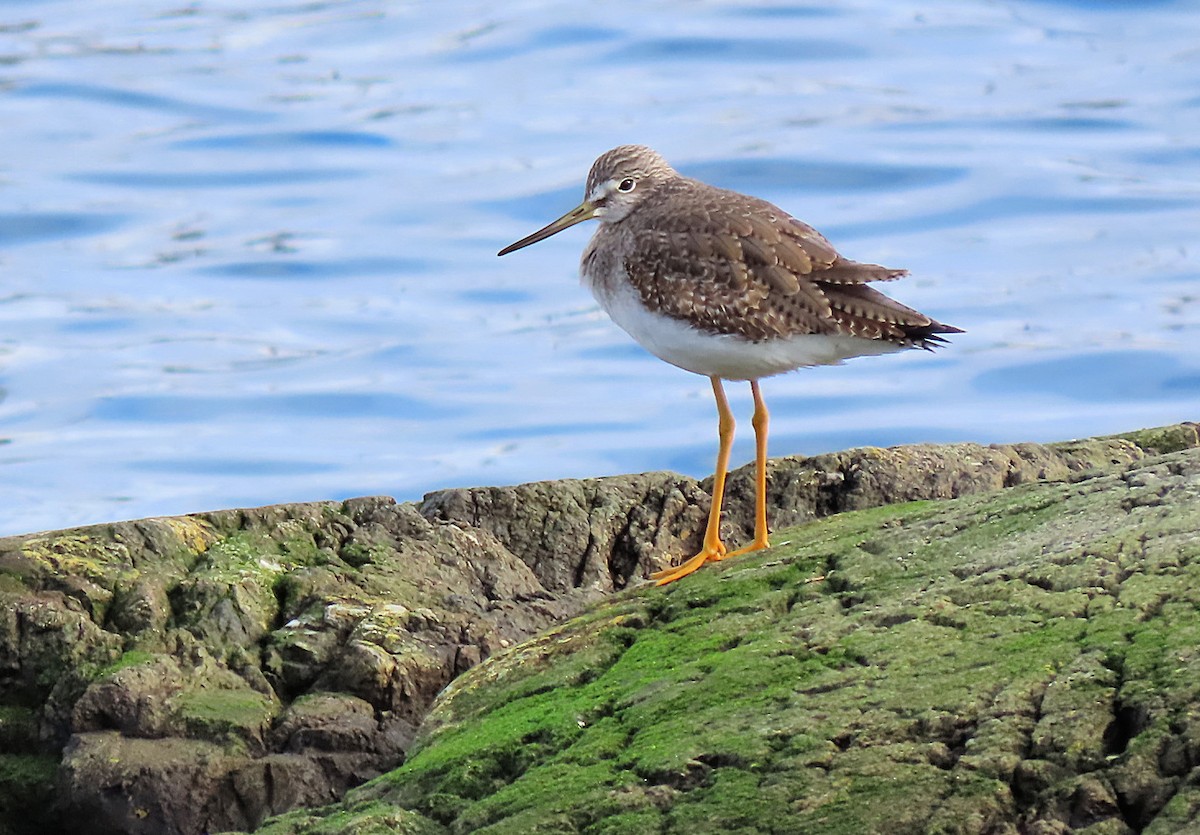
(713, 548)
(761, 420)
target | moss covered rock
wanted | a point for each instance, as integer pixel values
(1018, 661)
(995, 663)
(200, 673)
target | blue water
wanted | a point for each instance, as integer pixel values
(247, 252)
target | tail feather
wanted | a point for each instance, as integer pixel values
(928, 336)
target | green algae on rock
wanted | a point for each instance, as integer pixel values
(1027, 660)
(201, 673)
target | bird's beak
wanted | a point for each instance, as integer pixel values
(584, 211)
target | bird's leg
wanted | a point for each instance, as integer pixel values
(761, 420)
(713, 548)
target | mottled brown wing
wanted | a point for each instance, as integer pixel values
(734, 264)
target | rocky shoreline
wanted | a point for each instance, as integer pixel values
(206, 672)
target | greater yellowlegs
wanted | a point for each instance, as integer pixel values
(731, 287)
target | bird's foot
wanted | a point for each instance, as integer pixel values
(715, 551)
(756, 545)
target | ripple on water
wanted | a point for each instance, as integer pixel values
(1115, 6)
(189, 408)
(783, 11)
(285, 139)
(292, 270)
(543, 430)
(1004, 208)
(29, 227)
(544, 38)
(1068, 123)
(214, 179)
(224, 467)
(736, 50)
(496, 295)
(1065, 124)
(1179, 155)
(1106, 376)
(758, 175)
(124, 98)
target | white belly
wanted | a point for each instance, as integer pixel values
(722, 355)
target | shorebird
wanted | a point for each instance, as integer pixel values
(732, 287)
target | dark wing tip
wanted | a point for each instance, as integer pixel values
(928, 336)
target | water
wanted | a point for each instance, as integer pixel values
(248, 250)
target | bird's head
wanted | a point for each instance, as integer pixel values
(620, 179)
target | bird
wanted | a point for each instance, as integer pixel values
(731, 287)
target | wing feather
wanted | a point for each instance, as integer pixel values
(734, 264)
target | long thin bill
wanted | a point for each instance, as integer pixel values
(584, 211)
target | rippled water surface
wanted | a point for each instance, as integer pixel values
(248, 250)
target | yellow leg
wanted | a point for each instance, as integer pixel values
(761, 420)
(713, 548)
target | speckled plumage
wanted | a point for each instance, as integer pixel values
(728, 263)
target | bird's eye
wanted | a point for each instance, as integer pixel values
(627, 184)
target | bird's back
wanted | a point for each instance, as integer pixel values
(732, 264)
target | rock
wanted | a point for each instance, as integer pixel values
(132, 697)
(605, 533)
(53, 649)
(327, 722)
(26, 775)
(596, 534)
(270, 657)
(1022, 660)
(117, 784)
(201, 673)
